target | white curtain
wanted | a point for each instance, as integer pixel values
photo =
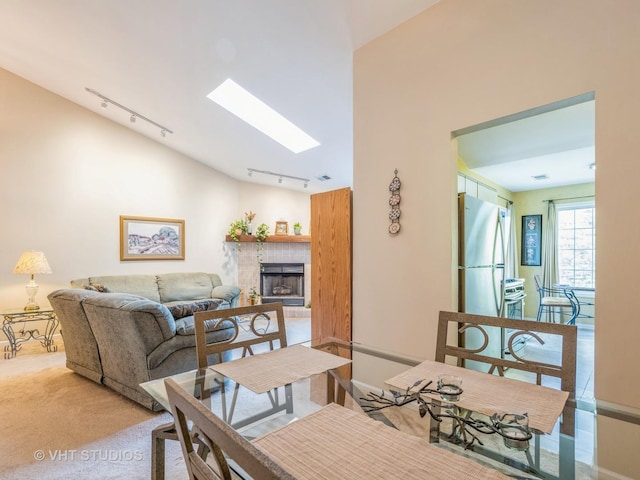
(511, 258)
(550, 251)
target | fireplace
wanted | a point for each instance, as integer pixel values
(282, 282)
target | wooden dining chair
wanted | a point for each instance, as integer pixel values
(515, 334)
(253, 332)
(253, 327)
(253, 336)
(225, 444)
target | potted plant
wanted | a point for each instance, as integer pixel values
(262, 232)
(237, 228)
(254, 297)
(297, 228)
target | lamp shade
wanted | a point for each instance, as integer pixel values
(32, 262)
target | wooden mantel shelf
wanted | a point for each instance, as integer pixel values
(274, 238)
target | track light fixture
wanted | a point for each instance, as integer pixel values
(280, 176)
(134, 115)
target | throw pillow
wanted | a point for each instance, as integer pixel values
(96, 287)
(186, 309)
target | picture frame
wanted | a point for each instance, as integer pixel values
(149, 238)
(531, 241)
(282, 228)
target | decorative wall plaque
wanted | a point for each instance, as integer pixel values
(394, 203)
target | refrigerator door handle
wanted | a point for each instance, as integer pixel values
(498, 243)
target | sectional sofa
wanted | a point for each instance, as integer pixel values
(123, 330)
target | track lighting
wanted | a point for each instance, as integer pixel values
(134, 115)
(280, 176)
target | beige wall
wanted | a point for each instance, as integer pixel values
(460, 63)
(68, 174)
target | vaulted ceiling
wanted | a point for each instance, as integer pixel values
(161, 58)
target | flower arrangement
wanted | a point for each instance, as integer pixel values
(249, 216)
(297, 228)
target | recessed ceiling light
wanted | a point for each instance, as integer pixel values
(540, 177)
(258, 114)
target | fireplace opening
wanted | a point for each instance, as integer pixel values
(282, 282)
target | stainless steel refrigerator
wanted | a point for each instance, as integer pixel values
(481, 255)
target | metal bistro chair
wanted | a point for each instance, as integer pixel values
(556, 300)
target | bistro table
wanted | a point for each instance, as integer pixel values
(550, 455)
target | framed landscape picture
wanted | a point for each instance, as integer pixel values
(146, 238)
(531, 254)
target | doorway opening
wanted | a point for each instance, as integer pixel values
(532, 161)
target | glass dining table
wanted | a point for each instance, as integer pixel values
(361, 385)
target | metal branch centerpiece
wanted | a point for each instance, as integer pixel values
(512, 427)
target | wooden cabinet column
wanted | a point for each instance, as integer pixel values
(331, 263)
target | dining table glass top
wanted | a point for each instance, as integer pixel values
(362, 382)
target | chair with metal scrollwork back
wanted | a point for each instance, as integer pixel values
(559, 366)
(221, 439)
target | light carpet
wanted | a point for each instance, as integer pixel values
(57, 424)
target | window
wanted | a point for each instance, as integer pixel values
(577, 244)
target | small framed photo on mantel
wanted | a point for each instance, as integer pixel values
(282, 228)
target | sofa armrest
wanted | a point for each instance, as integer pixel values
(230, 293)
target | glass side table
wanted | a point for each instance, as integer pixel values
(20, 318)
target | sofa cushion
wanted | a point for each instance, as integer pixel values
(184, 286)
(182, 309)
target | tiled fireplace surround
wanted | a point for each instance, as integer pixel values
(281, 252)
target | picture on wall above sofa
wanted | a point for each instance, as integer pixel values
(146, 238)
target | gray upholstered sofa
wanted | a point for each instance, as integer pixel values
(120, 330)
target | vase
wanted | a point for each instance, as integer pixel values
(249, 228)
(296, 231)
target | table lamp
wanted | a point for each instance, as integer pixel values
(32, 263)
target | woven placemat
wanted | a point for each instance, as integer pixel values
(338, 443)
(266, 371)
(489, 394)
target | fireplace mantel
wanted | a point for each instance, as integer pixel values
(274, 238)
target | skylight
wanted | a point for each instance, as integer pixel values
(256, 113)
